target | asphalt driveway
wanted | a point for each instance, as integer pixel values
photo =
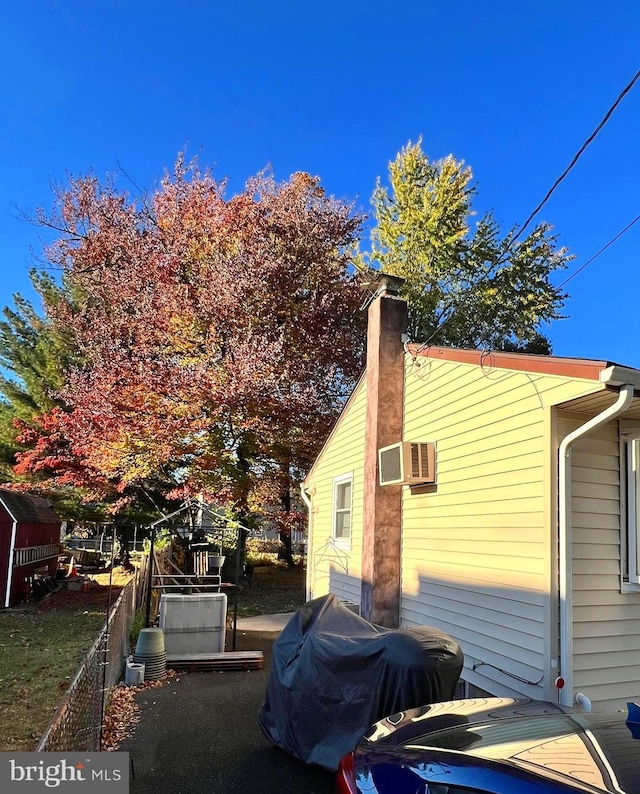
(199, 734)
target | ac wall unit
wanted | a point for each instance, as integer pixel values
(407, 463)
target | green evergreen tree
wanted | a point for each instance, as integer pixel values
(33, 356)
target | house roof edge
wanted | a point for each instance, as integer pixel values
(350, 399)
(586, 368)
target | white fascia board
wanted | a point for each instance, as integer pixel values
(619, 376)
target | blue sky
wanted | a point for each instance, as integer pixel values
(336, 89)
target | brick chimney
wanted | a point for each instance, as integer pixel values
(382, 533)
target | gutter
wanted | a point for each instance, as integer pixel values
(611, 376)
(307, 501)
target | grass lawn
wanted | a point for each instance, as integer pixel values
(273, 589)
(40, 653)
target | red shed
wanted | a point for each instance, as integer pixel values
(29, 543)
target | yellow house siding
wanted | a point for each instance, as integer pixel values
(476, 549)
(606, 621)
(337, 568)
(479, 553)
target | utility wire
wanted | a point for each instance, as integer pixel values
(601, 251)
(562, 176)
(580, 152)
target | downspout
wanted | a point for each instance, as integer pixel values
(307, 501)
(565, 535)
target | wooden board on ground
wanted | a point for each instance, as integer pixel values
(229, 660)
(88, 558)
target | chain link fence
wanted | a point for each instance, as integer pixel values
(76, 725)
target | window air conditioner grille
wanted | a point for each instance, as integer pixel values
(415, 460)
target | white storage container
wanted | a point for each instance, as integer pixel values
(193, 623)
(134, 673)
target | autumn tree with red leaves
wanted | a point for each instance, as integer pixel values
(215, 339)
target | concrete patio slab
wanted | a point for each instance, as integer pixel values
(265, 623)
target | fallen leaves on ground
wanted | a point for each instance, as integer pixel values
(104, 589)
(123, 712)
(119, 576)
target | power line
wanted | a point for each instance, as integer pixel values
(557, 182)
(601, 251)
(579, 153)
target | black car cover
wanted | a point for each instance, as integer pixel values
(333, 674)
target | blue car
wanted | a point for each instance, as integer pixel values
(496, 745)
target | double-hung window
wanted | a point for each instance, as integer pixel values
(342, 495)
(631, 537)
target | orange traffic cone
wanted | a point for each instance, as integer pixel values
(72, 568)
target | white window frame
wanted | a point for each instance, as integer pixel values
(630, 504)
(339, 481)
